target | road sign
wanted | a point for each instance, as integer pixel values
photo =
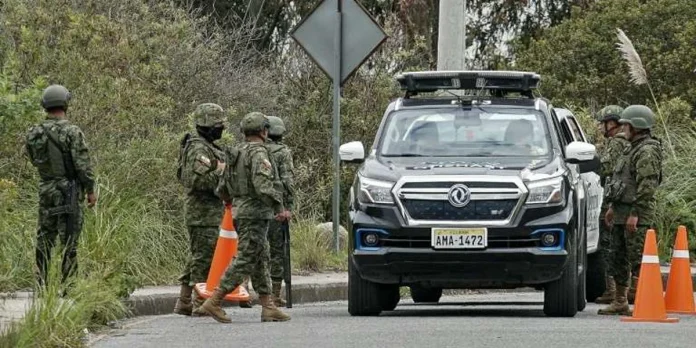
(339, 35)
(360, 36)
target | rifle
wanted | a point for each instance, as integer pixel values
(71, 198)
(287, 274)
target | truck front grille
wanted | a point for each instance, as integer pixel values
(428, 200)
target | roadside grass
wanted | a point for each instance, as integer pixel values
(52, 321)
(312, 251)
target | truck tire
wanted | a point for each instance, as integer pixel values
(389, 297)
(363, 296)
(560, 296)
(596, 283)
(421, 294)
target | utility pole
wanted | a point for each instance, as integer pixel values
(451, 37)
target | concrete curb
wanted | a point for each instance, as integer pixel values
(159, 304)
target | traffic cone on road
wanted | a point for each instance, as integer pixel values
(225, 251)
(650, 301)
(680, 289)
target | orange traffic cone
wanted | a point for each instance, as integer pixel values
(650, 301)
(225, 251)
(680, 289)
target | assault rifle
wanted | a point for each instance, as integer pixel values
(287, 274)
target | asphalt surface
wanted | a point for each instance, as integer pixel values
(482, 320)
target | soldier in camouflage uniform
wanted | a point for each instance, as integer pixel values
(201, 166)
(631, 195)
(257, 202)
(281, 157)
(58, 150)
(615, 143)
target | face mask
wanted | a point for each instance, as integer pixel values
(211, 134)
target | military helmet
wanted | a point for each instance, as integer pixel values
(55, 96)
(609, 113)
(638, 116)
(254, 122)
(209, 115)
(277, 126)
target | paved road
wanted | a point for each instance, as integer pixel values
(489, 320)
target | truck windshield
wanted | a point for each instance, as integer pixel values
(456, 132)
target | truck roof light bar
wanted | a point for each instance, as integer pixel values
(497, 82)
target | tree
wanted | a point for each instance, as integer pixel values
(580, 64)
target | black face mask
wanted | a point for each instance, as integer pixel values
(211, 133)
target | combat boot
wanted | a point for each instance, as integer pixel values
(183, 303)
(269, 312)
(620, 304)
(609, 294)
(245, 304)
(198, 311)
(213, 306)
(277, 300)
(632, 290)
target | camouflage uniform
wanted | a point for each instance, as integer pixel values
(58, 150)
(255, 207)
(610, 151)
(200, 173)
(631, 193)
(281, 157)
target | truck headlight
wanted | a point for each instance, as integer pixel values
(375, 191)
(546, 191)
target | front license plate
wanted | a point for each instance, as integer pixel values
(459, 238)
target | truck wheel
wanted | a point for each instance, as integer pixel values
(363, 296)
(389, 297)
(421, 294)
(596, 283)
(560, 296)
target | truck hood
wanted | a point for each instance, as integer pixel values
(393, 168)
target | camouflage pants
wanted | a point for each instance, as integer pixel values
(53, 226)
(627, 253)
(253, 258)
(202, 240)
(605, 241)
(275, 240)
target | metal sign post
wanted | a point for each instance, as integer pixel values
(338, 35)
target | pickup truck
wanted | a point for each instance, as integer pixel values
(472, 182)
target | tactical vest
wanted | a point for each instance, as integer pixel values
(48, 154)
(622, 188)
(238, 170)
(275, 150)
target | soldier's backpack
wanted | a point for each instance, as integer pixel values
(235, 176)
(48, 154)
(183, 145)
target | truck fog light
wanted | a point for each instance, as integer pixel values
(548, 239)
(371, 239)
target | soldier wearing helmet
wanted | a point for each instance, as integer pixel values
(281, 156)
(58, 150)
(201, 164)
(250, 181)
(614, 145)
(630, 196)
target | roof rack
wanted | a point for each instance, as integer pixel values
(497, 82)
